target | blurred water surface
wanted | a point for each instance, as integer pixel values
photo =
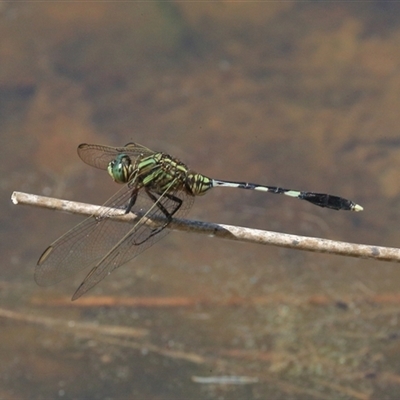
(300, 95)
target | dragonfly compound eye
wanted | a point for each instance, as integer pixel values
(120, 169)
(110, 169)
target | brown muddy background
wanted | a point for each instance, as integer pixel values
(304, 95)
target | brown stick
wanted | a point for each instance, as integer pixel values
(318, 245)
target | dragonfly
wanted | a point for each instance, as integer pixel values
(156, 188)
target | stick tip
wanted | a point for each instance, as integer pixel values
(357, 207)
(14, 198)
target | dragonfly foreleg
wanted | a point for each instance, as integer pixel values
(132, 200)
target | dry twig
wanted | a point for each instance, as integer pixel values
(224, 231)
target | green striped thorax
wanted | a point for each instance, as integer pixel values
(159, 172)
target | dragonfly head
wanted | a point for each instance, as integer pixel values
(120, 169)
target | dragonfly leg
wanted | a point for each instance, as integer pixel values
(132, 200)
(168, 214)
(177, 200)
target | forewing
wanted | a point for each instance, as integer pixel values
(86, 243)
(140, 237)
(99, 156)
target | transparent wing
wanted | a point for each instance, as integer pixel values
(106, 243)
(84, 244)
(141, 236)
(99, 156)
